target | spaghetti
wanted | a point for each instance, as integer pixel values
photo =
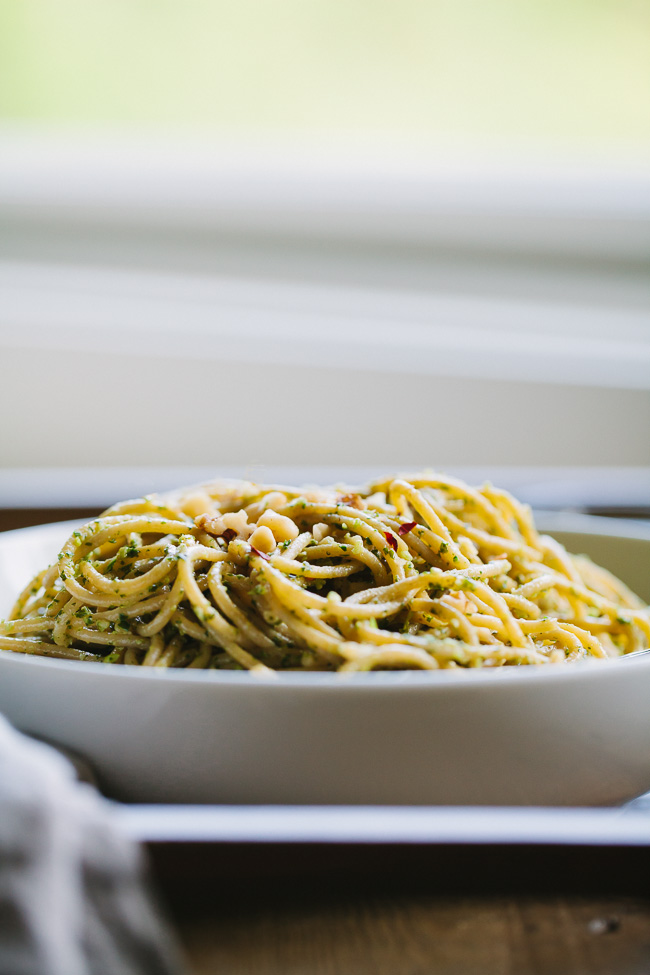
(412, 572)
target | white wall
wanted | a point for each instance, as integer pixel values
(163, 307)
(84, 409)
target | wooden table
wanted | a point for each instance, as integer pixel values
(418, 935)
(331, 912)
(310, 910)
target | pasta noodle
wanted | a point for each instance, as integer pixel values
(413, 572)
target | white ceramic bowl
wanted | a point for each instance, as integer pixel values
(570, 735)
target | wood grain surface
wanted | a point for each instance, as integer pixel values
(255, 909)
(423, 936)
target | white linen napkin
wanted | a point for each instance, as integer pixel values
(73, 900)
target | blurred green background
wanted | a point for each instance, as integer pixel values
(569, 74)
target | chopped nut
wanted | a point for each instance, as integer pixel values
(320, 531)
(210, 523)
(283, 528)
(263, 539)
(236, 521)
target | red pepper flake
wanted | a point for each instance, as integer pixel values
(228, 535)
(262, 555)
(407, 527)
(392, 541)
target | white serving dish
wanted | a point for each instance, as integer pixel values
(572, 735)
